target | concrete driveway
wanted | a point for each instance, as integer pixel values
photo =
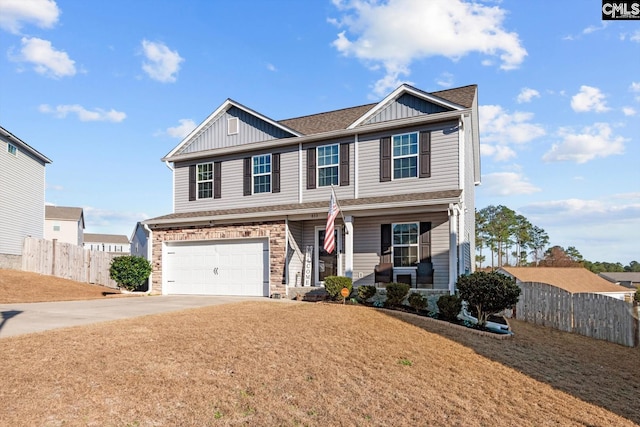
(20, 319)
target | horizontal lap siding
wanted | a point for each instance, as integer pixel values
(232, 187)
(295, 252)
(323, 193)
(444, 164)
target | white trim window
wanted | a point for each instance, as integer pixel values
(12, 149)
(405, 238)
(328, 165)
(204, 180)
(405, 155)
(261, 173)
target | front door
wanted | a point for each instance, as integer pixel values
(327, 264)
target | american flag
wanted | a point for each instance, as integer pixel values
(329, 238)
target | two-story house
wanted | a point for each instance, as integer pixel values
(107, 243)
(251, 196)
(22, 190)
(64, 224)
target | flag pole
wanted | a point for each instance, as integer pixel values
(339, 209)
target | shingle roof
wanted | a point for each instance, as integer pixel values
(62, 212)
(573, 280)
(628, 276)
(106, 238)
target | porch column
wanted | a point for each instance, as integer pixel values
(348, 246)
(453, 247)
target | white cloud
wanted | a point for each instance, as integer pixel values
(497, 125)
(84, 115)
(589, 99)
(113, 222)
(629, 111)
(271, 67)
(527, 94)
(634, 87)
(445, 80)
(507, 184)
(593, 28)
(500, 153)
(183, 129)
(583, 211)
(635, 37)
(396, 32)
(15, 13)
(592, 142)
(162, 63)
(45, 58)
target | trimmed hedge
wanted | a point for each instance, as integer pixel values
(366, 291)
(396, 293)
(334, 284)
(417, 301)
(449, 306)
(129, 271)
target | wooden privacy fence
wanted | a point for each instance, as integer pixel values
(67, 261)
(593, 315)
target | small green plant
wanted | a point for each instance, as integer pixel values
(417, 301)
(449, 307)
(405, 362)
(396, 293)
(636, 297)
(366, 291)
(334, 284)
(217, 415)
(129, 271)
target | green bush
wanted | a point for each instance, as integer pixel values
(366, 291)
(636, 297)
(396, 293)
(449, 306)
(129, 271)
(417, 301)
(488, 293)
(334, 284)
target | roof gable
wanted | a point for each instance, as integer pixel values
(64, 213)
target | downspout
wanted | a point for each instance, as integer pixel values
(149, 256)
(454, 212)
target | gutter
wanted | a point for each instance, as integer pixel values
(150, 256)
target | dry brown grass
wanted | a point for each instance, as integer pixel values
(286, 364)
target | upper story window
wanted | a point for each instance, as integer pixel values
(12, 149)
(328, 162)
(56, 227)
(405, 155)
(262, 173)
(204, 180)
(405, 244)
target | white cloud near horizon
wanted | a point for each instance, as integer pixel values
(629, 111)
(162, 64)
(589, 99)
(111, 222)
(395, 33)
(45, 58)
(182, 130)
(613, 207)
(590, 143)
(507, 184)
(84, 115)
(16, 13)
(499, 130)
(526, 95)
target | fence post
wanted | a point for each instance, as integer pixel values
(53, 257)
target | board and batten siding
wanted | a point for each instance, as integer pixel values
(404, 107)
(444, 163)
(250, 129)
(232, 184)
(21, 198)
(366, 245)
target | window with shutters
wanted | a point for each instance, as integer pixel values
(328, 163)
(405, 155)
(405, 244)
(204, 180)
(262, 173)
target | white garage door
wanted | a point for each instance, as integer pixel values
(234, 267)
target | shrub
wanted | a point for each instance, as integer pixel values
(396, 293)
(366, 291)
(129, 271)
(636, 297)
(449, 306)
(417, 301)
(334, 284)
(488, 293)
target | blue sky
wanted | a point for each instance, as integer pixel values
(106, 88)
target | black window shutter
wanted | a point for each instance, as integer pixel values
(246, 181)
(311, 168)
(217, 180)
(425, 154)
(275, 173)
(344, 164)
(385, 159)
(425, 242)
(385, 243)
(192, 183)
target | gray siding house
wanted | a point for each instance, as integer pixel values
(22, 190)
(251, 196)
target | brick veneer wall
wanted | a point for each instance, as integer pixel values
(274, 230)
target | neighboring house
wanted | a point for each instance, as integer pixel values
(107, 242)
(64, 224)
(572, 280)
(22, 190)
(251, 196)
(628, 279)
(140, 241)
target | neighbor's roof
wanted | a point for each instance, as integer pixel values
(627, 276)
(106, 238)
(62, 212)
(573, 280)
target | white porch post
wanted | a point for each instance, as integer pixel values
(348, 246)
(453, 248)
